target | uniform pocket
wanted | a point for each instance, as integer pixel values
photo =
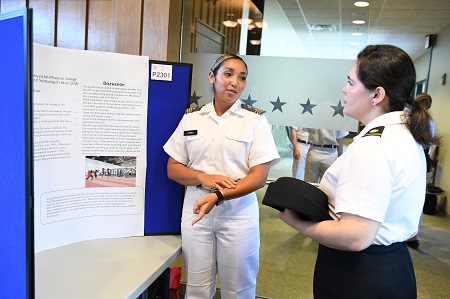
(238, 144)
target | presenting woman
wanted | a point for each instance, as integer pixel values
(376, 186)
(221, 152)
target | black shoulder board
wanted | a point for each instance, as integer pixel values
(375, 132)
(252, 109)
(193, 109)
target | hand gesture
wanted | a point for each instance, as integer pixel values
(204, 206)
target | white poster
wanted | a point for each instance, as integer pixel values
(90, 113)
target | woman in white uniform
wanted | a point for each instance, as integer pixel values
(221, 152)
(376, 187)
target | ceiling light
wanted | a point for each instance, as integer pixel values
(261, 24)
(361, 4)
(355, 43)
(356, 33)
(251, 26)
(244, 21)
(229, 23)
(359, 22)
(255, 42)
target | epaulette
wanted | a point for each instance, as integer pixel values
(375, 132)
(193, 109)
(252, 109)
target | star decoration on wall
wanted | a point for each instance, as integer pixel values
(339, 109)
(249, 101)
(308, 107)
(277, 105)
(194, 99)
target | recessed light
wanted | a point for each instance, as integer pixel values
(255, 42)
(361, 4)
(359, 22)
(356, 33)
(355, 43)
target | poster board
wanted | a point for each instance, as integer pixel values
(16, 201)
(167, 102)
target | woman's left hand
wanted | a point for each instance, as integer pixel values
(204, 206)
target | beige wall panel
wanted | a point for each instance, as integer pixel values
(44, 15)
(174, 41)
(100, 36)
(71, 24)
(127, 26)
(155, 29)
(11, 5)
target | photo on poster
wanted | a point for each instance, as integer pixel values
(110, 171)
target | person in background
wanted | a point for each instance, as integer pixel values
(300, 147)
(425, 100)
(376, 187)
(221, 152)
(326, 147)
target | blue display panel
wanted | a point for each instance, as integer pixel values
(167, 102)
(16, 202)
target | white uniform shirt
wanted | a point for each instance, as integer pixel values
(381, 178)
(228, 145)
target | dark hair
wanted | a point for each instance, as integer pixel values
(420, 119)
(424, 99)
(221, 59)
(390, 67)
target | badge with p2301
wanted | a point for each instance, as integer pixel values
(161, 72)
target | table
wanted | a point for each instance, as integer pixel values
(104, 268)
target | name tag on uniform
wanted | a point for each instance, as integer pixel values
(190, 133)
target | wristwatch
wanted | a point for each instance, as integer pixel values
(220, 197)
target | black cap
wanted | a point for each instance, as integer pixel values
(307, 200)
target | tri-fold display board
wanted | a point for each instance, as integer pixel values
(100, 123)
(64, 110)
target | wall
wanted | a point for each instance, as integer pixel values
(440, 109)
(212, 14)
(137, 27)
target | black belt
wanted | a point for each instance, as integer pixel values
(302, 141)
(317, 145)
(325, 145)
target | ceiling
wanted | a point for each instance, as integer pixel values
(324, 27)
(404, 23)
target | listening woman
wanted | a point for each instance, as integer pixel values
(376, 187)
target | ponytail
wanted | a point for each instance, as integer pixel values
(420, 121)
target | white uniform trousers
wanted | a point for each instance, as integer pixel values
(298, 166)
(224, 243)
(317, 162)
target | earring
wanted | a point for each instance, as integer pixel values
(373, 102)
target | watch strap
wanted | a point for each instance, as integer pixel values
(220, 197)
